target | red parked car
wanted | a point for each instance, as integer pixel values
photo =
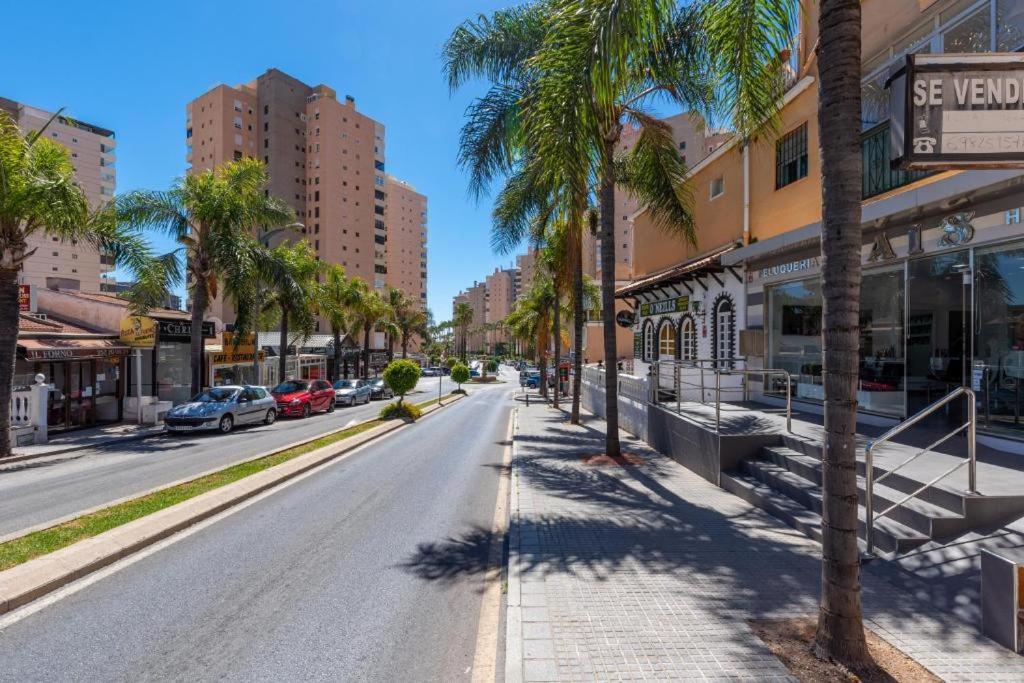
(301, 397)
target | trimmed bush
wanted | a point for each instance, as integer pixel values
(492, 365)
(460, 374)
(400, 411)
(401, 376)
(451, 361)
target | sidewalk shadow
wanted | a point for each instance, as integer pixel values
(606, 524)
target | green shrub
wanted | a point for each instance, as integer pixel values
(401, 376)
(492, 365)
(460, 374)
(400, 411)
(451, 361)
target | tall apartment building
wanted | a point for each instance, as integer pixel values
(92, 150)
(501, 296)
(527, 266)
(326, 159)
(406, 241)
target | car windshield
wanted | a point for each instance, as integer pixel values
(216, 395)
(290, 387)
(378, 382)
(344, 384)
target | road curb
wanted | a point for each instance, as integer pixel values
(514, 605)
(31, 580)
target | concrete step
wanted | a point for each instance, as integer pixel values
(890, 535)
(931, 520)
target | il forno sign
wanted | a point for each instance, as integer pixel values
(958, 111)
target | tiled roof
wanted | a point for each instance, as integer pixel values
(36, 327)
(118, 301)
(677, 273)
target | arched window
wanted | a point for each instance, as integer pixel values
(724, 326)
(648, 341)
(688, 339)
(667, 341)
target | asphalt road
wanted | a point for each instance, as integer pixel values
(36, 493)
(369, 569)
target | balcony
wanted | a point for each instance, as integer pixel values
(878, 175)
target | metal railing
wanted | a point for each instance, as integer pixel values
(719, 367)
(628, 386)
(971, 461)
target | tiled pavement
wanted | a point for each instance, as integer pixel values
(650, 573)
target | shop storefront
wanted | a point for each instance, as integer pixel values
(83, 370)
(166, 367)
(942, 306)
(231, 363)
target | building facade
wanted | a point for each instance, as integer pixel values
(942, 295)
(327, 160)
(501, 297)
(93, 155)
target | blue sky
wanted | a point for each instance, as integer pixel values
(131, 66)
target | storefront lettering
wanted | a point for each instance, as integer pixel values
(676, 305)
(786, 268)
(881, 249)
(956, 229)
(66, 354)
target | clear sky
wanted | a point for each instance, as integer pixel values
(132, 65)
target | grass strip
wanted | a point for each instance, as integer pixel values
(22, 549)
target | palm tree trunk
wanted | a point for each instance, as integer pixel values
(557, 326)
(282, 360)
(337, 354)
(391, 348)
(405, 345)
(200, 300)
(840, 634)
(8, 350)
(577, 336)
(542, 366)
(611, 396)
(366, 351)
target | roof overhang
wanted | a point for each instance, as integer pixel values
(681, 275)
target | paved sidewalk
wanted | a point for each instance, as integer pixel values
(650, 573)
(85, 438)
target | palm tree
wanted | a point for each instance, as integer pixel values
(39, 196)
(337, 297)
(370, 310)
(213, 215)
(462, 318)
(840, 634)
(294, 293)
(410, 320)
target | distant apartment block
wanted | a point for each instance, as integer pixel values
(92, 150)
(326, 159)
(501, 297)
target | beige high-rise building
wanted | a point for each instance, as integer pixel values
(527, 266)
(92, 150)
(326, 159)
(406, 240)
(476, 297)
(501, 295)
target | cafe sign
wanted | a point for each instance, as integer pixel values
(181, 330)
(676, 305)
(138, 332)
(25, 298)
(952, 111)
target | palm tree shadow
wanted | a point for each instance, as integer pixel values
(608, 524)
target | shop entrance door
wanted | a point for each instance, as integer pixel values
(938, 332)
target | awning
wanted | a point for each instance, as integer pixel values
(710, 262)
(53, 348)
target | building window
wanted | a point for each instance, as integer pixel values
(238, 122)
(723, 331)
(717, 187)
(666, 341)
(688, 339)
(648, 341)
(791, 157)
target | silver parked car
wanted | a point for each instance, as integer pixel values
(222, 408)
(348, 392)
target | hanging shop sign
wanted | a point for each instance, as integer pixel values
(24, 298)
(181, 330)
(138, 332)
(676, 305)
(229, 357)
(952, 111)
(625, 319)
(241, 344)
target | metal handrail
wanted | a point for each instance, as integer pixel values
(971, 461)
(718, 372)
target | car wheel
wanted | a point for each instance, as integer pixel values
(306, 410)
(271, 416)
(330, 407)
(226, 424)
